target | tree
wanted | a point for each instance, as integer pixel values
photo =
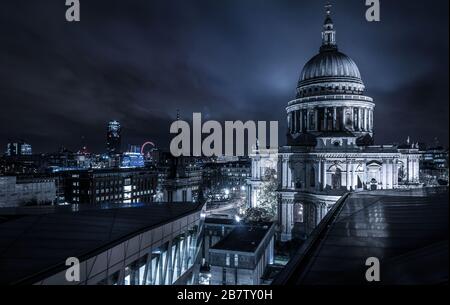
(266, 200)
(257, 214)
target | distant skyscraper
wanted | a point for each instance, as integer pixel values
(113, 137)
(18, 148)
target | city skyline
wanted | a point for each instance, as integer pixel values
(205, 56)
(224, 143)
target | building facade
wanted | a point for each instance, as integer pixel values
(242, 257)
(182, 182)
(153, 244)
(263, 161)
(113, 137)
(215, 230)
(434, 166)
(110, 186)
(18, 148)
(27, 190)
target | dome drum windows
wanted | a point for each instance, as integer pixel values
(322, 119)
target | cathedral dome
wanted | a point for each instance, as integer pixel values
(330, 64)
(330, 71)
(330, 102)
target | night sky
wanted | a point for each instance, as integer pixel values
(138, 61)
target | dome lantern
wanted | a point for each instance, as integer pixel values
(328, 33)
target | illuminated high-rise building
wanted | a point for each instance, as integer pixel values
(18, 148)
(113, 137)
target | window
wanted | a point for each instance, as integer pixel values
(224, 276)
(336, 179)
(312, 177)
(236, 260)
(227, 260)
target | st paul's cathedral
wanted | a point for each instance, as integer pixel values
(330, 148)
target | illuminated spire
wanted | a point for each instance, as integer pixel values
(328, 33)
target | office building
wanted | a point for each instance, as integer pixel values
(110, 186)
(113, 137)
(242, 257)
(153, 244)
(18, 148)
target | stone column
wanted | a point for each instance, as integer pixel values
(371, 120)
(362, 119)
(388, 175)
(416, 170)
(305, 180)
(353, 118)
(286, 219)
(395, 165)
(294, 113)
(307, 119)
(383, 174)
(289, 174)
(299, 120)
(365, 175)
(394, 183)
(358, 124)
(347, 176)
(316, 116)
(334, 118)
(316, 214)
(344, 110)
(286, 170)
(366, 128)
(355, 176)
(319, 176)
(408, 170)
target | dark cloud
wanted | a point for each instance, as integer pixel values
(139, 61)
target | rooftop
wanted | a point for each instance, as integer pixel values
(220, 221)
(406, 230)
(244, 238)
(33, 245)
